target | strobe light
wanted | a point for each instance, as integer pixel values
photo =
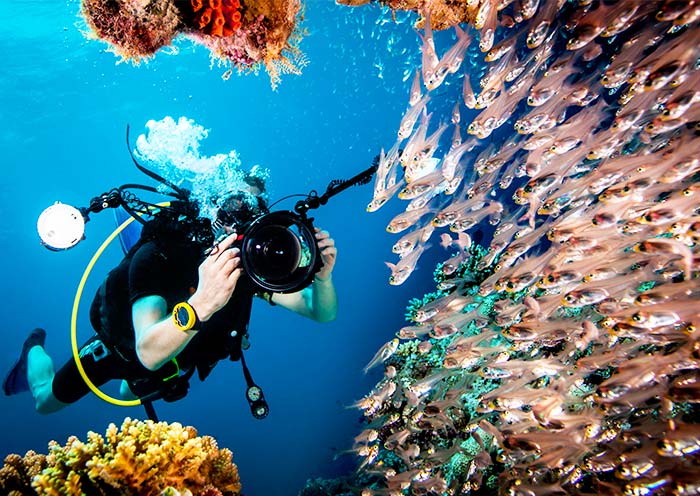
(61, 227)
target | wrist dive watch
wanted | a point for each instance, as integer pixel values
(184, 316)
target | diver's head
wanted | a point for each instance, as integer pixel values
(238, 208)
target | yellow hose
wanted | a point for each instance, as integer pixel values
(74, 316)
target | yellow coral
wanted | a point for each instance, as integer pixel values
(140, 458)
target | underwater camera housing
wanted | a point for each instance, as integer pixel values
(279, 251)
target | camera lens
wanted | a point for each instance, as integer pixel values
(279, 252)
(274, 252)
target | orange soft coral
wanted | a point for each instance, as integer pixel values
(217, 17)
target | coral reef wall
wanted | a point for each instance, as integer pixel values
(140, 458)
(560, 353)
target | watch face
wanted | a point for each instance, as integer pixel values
(183, 317)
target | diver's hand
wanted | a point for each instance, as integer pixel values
(218, 275)
(328, 254)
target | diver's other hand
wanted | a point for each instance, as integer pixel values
(218, 276)
(328, 254)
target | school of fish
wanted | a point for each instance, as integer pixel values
(562, 170)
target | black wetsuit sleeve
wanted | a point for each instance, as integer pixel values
(148, 273)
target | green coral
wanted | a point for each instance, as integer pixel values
(326, 487)
(487, 302)
(646, 286)
(415, 304)
(407, 349)
(571, 312)
(458, 467)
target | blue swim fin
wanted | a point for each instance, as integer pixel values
(16, 380)
(129, 236)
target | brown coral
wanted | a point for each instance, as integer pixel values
(141, 458)
(443, 13)
(135, 29)
(16, 475)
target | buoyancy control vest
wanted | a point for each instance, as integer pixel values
(110, 314)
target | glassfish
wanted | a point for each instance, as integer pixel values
(404, 267)
(383, 354)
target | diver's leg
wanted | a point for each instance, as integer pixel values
(125, 391)
(40, 375)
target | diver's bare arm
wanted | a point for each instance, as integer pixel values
(324, 300)
(318, 302)
(158, 340)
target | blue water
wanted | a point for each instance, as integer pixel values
(64, 106)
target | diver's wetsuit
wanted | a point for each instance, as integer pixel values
(172, 273)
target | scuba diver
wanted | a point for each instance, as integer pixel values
(178, 303)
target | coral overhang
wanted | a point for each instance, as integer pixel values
(240, 34)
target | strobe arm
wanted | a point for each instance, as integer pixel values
(111, 199)
(120, 197)
(335, 187)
